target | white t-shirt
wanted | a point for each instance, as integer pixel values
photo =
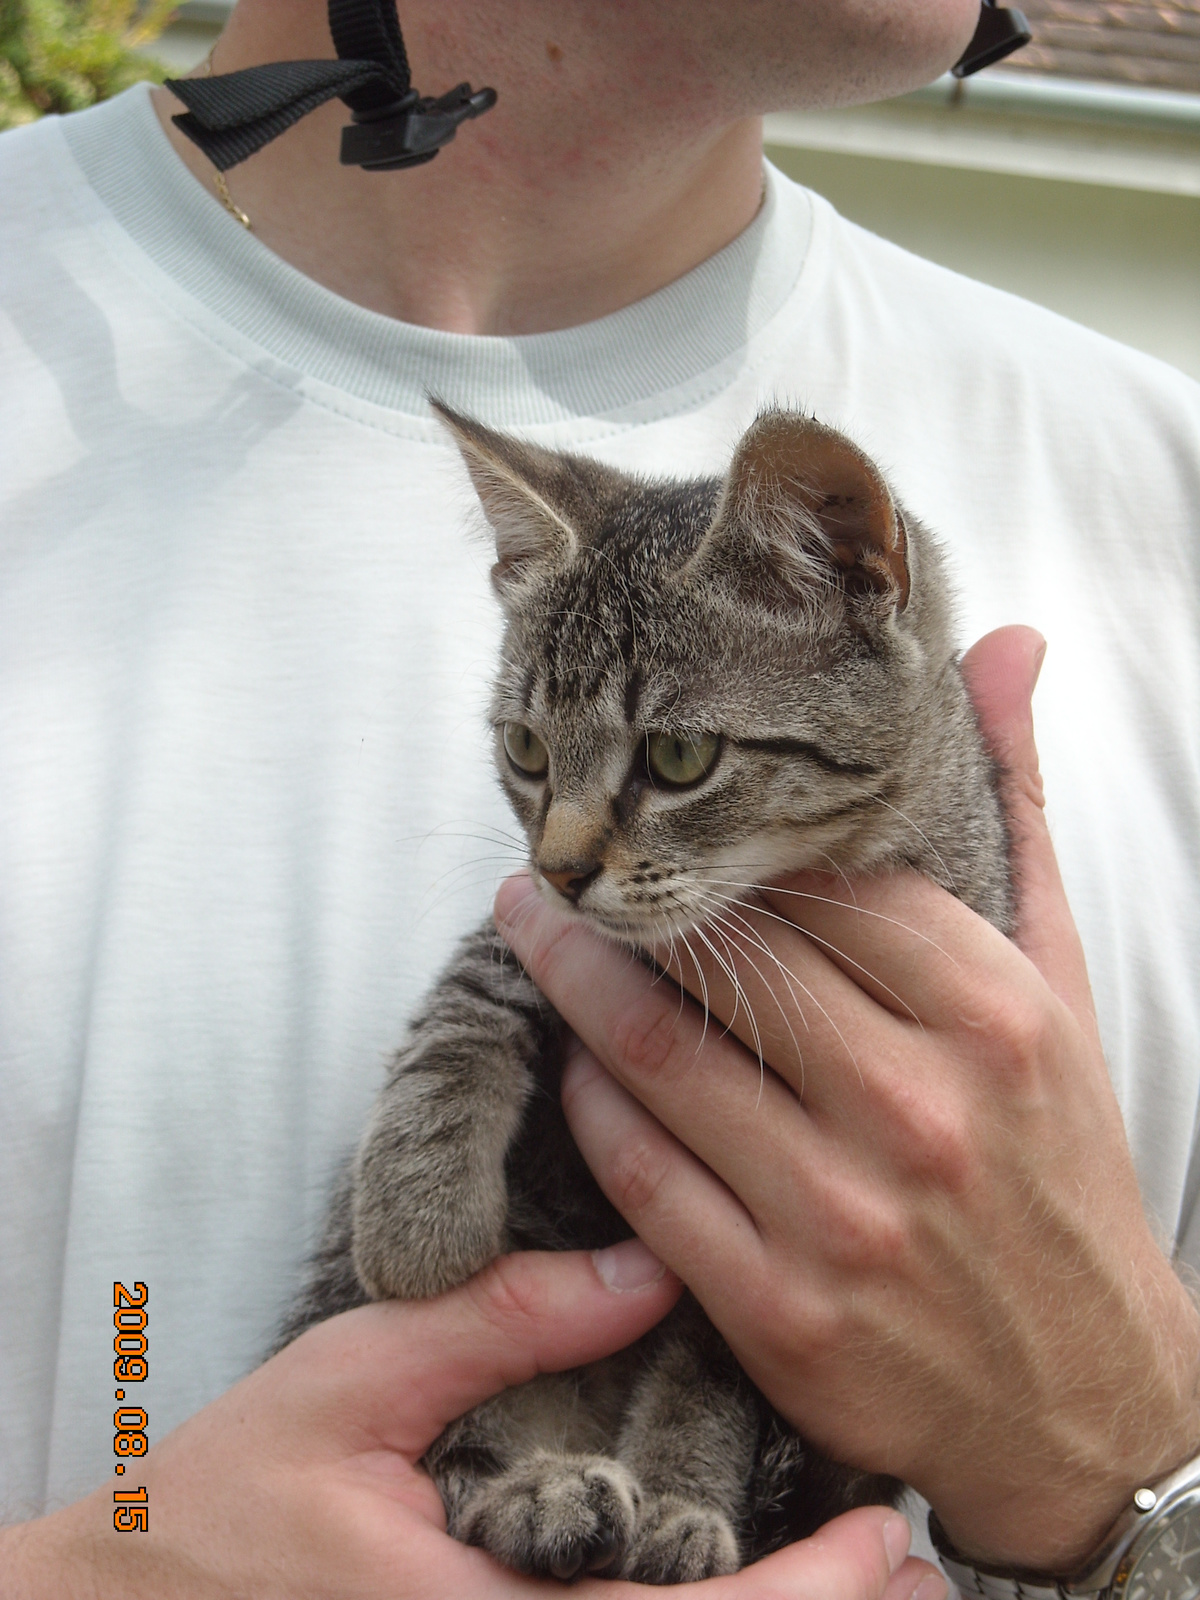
(245, 637)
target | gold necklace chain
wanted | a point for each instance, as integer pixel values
(227, 200)
(219, 184)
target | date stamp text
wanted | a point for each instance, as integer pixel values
(131, 1507)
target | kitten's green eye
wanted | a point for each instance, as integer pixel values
(678, 758)
(525, 750)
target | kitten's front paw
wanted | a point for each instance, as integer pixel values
(414, 1246)
(555, 1516)
(426, 1212)
(680, 1542)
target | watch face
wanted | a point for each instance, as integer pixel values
(1167, 1566)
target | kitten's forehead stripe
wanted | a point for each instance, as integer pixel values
(862, 802)
(811, 752)
(597, 606)
(633, 688)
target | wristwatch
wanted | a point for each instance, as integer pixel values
(1151, 1552)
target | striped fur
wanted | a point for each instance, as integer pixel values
(795, 611)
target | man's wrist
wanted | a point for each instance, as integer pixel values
(1059, 1534)
(1047, 1520)
(1150, 1552)
(29, 1561)
(1055, 1537)
(47, 1559)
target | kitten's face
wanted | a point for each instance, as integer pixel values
(703, 685)
(657, 783)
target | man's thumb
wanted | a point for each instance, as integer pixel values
(522, 1315)
(1000, 672)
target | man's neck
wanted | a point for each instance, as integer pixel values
(530, 220)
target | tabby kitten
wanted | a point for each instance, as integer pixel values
(703, 685)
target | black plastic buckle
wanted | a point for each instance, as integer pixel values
(411, 130)
(997, 34)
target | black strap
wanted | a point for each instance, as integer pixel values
(370, 31)
(232, 116)
(998, 33)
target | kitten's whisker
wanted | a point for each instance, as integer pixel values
(740, 996)
(748, 932)
(927, 840)
(730, 917)
(753, 1020)
(483, 832)
(729, 973)
(487, 865)
(826, 944)
(828, 900)
(514, 844)
(491, 862)
(703, 989)
(732, 935)
(523, 917)
(841, 1036)
(434, 894)
(840, 872)
(673, 958)
(729, 933)
(508, 853)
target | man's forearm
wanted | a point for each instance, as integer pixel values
(46, 1559)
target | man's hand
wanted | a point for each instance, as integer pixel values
(919, 1227)
(302, 1483)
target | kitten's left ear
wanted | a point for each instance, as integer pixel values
(808, 501)
(529, 495)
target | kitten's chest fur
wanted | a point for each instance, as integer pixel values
(554, 1203)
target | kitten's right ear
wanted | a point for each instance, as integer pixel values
(805, 510)
(527, 495)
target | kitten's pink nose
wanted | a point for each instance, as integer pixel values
(571, 883)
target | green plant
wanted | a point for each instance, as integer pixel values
(62, 55)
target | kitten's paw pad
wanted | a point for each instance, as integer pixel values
(682, 1543)
(555, 1516)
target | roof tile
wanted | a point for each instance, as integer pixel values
(1153, 46)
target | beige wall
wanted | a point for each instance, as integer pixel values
(1124, 261)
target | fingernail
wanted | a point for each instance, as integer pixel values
(629, 1265)
(897, 1536)
(512, 894)
(931, 1587)
(1037, 666)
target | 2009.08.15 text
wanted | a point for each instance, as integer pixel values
(131, 1507)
